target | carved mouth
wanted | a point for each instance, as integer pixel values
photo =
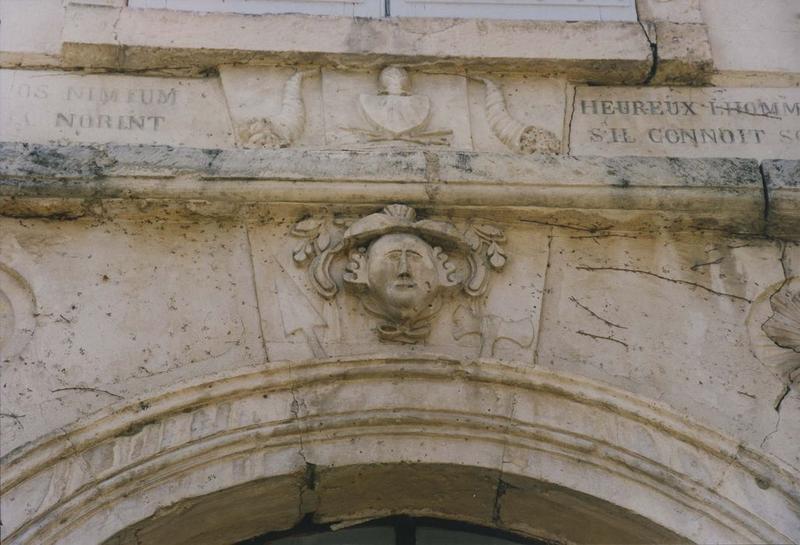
(405, 284)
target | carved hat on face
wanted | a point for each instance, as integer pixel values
(395, 261)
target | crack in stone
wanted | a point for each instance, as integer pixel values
(563, 226)
(708, 263)
(654, 50)
(567, 136)
(765, 191)
(16, 418)
(86, 389)
(590, 311)
(773, 432)
(778, 402)
(601, 337)
(667, 279)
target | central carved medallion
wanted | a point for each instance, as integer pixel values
(395, 114)
(398, 265)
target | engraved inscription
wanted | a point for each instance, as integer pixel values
(694, 122)
(42, 107)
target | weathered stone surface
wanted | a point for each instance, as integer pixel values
(684, 54)
(330, 428)
(44, 107)
(108, 327)
(670, 315)
(588, 194)
(31, 33)
(782, 179)
(686, 122)
(673, 11)
(754, 37)
(184, 41)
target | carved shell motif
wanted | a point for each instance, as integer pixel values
(516, 136)
(774, 326)
(783, 327)
(286, 127)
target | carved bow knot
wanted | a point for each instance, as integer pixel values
(409, 333)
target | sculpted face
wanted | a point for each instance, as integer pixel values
(403, 274)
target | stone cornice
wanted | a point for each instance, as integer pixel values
(162, 40)
(585, 193)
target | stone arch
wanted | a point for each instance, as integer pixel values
(492, 443)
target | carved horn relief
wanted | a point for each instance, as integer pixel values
(399, 267)
(283, 129)
(517, 136)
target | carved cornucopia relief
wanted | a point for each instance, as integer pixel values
(283, 129)
(517, 136)
(399, 267)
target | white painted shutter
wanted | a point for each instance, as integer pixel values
(546, 10)
(353, 8)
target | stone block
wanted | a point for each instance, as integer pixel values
(31, 34)
(172, 40)
(42, 107)
(684, 54)
(686, 122)
(112, 325)
(783, 197)
(673, 11)
(754, 37)
(670, 315)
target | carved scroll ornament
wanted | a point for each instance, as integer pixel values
(399, 266)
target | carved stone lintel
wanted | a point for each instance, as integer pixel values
(399, 266)
(515, 135)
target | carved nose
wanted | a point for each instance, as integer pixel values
(403, 271)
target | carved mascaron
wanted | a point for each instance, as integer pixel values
(398, 265)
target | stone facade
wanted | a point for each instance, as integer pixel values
(538, 276)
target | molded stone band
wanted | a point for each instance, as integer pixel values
(557, 428)
(164, 40)
(586, 193)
